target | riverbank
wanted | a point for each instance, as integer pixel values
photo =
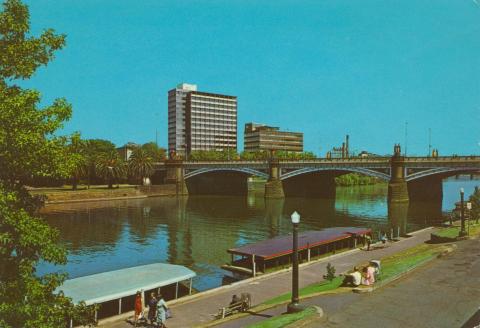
(395, 267)
(199, 309)
(99, 193)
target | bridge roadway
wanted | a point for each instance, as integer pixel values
(379, 167)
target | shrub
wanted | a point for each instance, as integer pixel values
(330, 272)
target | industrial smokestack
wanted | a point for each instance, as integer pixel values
(347, 151)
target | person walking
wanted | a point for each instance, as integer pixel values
(152, 308)
(161, 312)
(138, 307)
(369, 241)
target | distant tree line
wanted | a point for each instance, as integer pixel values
(355, 179)
(214, 155)
(96, 161)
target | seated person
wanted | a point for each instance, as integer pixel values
(235, 299)
(353, 279)
(368, 276)
(383, 238)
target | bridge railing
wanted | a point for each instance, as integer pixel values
(314, 160)
(378, 159)
(444, 158)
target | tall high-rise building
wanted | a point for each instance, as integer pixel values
(200, 120)
(176, 117)
(262, 137)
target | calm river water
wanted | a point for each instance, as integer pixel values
(196, 231)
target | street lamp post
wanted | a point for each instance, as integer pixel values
(462, 214)
(294, 305)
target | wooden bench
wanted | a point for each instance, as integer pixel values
(241, 306)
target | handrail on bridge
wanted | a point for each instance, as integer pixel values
(372, 159)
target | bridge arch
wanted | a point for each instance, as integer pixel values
(225, 169)
(441, 171)
(360, 170)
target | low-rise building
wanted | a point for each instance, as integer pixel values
(259, 137)
(126, 150)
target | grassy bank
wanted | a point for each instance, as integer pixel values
(404, 261)
(101, 192)
(391, 266)
(68, 188)
(453, 232)
(323, 286)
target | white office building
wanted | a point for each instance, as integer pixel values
(200, 120)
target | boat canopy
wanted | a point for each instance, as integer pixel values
(280, 246)
(107, 286)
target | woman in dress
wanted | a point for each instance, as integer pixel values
(368, 276)
(161, 311)
(138, 307)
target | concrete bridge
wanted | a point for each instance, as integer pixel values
(418, 178)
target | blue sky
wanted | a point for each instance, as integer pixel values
(325, 68)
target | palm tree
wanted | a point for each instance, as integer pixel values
(110, 167)
(76, 155)
(140, 164)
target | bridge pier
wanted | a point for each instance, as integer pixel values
(274, 186)
(397, 187)
(397, 218)
(176, 175)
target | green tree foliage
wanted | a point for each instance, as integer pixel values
(94, 149)
(77, 154)
(279, 154)
(140, 164)
(157, 154)
(213, 155)
(294, 155)
(110, 167)
(29, 149)
(475, 200)
(254, 155)
(25, 299)
(354, 179)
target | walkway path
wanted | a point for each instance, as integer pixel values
(443, 293)
(200, 310)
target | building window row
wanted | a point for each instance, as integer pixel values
(196, 118)
(197, 110)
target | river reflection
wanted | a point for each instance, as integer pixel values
(196, 231)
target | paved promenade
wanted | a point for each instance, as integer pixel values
(200, 310)
(444, 293)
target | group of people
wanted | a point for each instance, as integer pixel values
(157, 310)
(357, 278)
